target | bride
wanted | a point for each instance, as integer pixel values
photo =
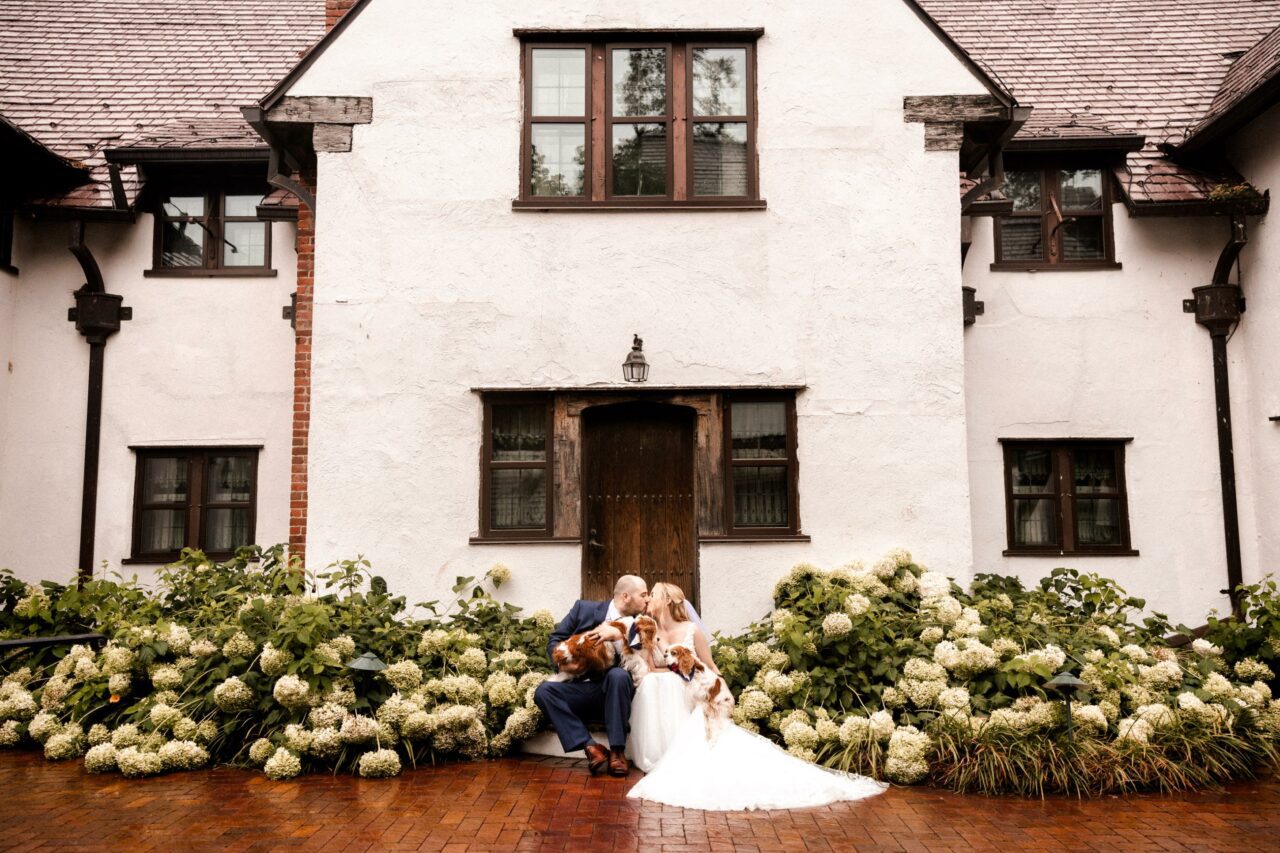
(739, 770)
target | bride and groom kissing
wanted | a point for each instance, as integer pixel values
(660, 725)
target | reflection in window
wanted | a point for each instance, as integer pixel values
(639, 81)
(217, 517)
(639, 159)
(1060, 215)
(558, 166)
(720, 81)
(1081, 189)
(559, 82)
(212, 232)
(720, 159)
(1066, 497)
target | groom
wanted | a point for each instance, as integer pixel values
(569, 704)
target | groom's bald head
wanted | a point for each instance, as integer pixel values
(630, 595)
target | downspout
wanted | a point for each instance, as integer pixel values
(97, 316)
(1218, 307)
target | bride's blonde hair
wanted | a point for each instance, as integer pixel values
(675, 600)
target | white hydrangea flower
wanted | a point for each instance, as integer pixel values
(907, 763)
(854, 730)
(1090, 716)
(934, 585)
(1162, 675)
(1252, 669)
(777, 660)
(856, 604)
(282, 765)
(17, 703)
(327, 715)
(1134, 652)
(755, 704)
(1158, 715)
(358, 729)
(43, 726)
(342, 692)
(924, 670)
(1217, 686)
(418, 726)
(543, 618)
(184, 729)
(179, 639)
(885, 568)
(126, 735)
(239, 646)
(325, 743)
(135, 764)
(1004, 647)
(954, 697)
(1094, 655)
(499, 574)
(1108, 633)
(183, 755)
(836, 625)
(1204, 648)
(234, 695)
(98, 733)
(291, 692)
(163, 716)
(274, 661)
(297, 738)
(1051, 657)
(881, 725)
(892, 697)
(66, 743)
(260, 750)
(905, 583)
(800, 734)
(32, 603)
(10, 734)
(101, 758)
(380, 764)
(945, 609)
(946, 654)
(923, 694)
(1134, 729)
(1248, 696)
(119, 684)
(502, 689)
(55, 690)
(827, 730)
(776, 684)
(757, 654)
(473, 662)
(203, 648)
(931, 635)
(512, 660)
(403, 675)
(85, 669)
(460, 689)
(166, 678)
(864, 581)
(780, 619)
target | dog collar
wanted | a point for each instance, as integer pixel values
(687, 678)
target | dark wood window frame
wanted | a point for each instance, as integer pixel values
(211, 222)
(196, 504)
(6, 240)
(599, 121)
(791, 463)
(1063, 495)
(1052, 215)
(488, 466)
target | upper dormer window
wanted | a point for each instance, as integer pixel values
(1061, 217)
(639, 120)
(211, 232)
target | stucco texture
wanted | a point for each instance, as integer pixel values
(204, 361)
(428, 284)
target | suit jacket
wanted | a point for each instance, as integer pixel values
(584, 616)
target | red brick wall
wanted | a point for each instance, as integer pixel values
(334, 10)
(302, 381)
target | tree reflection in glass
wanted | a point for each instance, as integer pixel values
(719, 81)
(1081, 189)
(639, 159)
(639, 81)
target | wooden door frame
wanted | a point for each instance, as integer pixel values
(703, 406)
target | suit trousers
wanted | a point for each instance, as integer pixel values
(570, 704)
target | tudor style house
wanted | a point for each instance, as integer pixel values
(829, 350)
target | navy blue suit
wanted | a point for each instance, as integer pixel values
(569, 704)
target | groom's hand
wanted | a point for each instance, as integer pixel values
(605, 633)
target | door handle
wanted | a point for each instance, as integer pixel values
(591, 540)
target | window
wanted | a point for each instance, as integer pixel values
(202, 498)
(1066, 497)
(211, 232)
(760, 466)
(6, 240)
(1061, 217)
(645, 122)
(515, 494)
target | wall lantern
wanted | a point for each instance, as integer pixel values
(635, 368)
(1068, 685)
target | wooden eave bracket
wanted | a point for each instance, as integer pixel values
(331, 118)
(945, 116)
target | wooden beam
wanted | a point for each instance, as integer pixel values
(953, 108)
(331, 137)
(322, 110)
(943, 135)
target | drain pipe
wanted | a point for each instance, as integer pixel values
(1218, 307)
(97, 316)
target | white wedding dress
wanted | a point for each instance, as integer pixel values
(739, 771)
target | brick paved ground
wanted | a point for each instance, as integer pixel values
(539, 803)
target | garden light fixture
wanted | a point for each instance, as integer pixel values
(1066, 684)
(367, 662)
(635, 368)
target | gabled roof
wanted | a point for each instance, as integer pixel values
(1250, 85)
(1152, 68)
(82, 76)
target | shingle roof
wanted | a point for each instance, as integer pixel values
(1149, 67)
(81, 76)
(1259, 66)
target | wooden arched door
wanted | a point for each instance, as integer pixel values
(638, 497)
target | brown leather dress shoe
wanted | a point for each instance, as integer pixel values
(618, 763)
(597, 758)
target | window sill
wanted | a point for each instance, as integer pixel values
(524, 540)
(1009, 552)
(1011, 266)
(247, 272)
(771, 537)
(546, 206)
(169, 559)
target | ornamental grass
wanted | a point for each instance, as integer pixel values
(889, 670)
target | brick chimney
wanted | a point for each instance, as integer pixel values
(334, 10)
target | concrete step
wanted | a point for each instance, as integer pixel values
(546, 743)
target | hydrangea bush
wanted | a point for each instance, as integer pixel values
(890, 670)
(246, 663)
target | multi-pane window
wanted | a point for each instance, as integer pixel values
(516, 470)
(194, 498)
(1066, 497)
(645, 122)
(1061, 217)
(200, 232)
(760, 455)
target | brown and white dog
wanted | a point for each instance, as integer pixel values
(708, 689)
(583, 654)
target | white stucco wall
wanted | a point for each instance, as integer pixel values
(1255, 155)
(1110, 354)
(204, 361)
(428, 284)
